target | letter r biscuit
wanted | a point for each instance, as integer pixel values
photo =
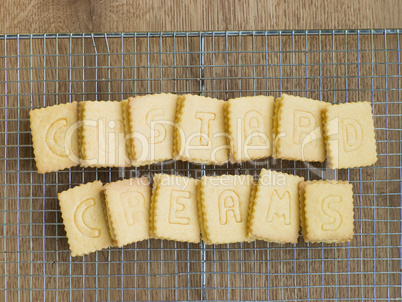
(127, 209)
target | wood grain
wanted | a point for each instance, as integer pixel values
(61, 16)
(32, 234)
(36, 253)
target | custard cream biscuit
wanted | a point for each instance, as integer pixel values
(328, 211)
(299, 129)
(54, 137)
(224, 202)
(174, 213)
(127, 209)
(200, 135)
(349, 135)
(82, 211)
(150, 121)
(249, 125)
(274, 214)
(102, 137)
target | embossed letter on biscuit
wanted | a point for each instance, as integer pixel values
(56, 142)
(303, 123)
(279, 206)
(205, 118)
(177, 210)
(252, 125)
(158, 130)
(229, 203)
(133, 205)
(352, 134)
(79, 219)
(335, 220)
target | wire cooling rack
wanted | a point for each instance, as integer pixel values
(334, 66)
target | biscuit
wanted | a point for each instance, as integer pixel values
(274, 211)
(328, 211)
(150, 122)
(223, 205)
(174, 214)
(54, 137)
(127, 209)
(249, 125)
(200, 130)
(349, 135)
(298, 131)
(102, 137)
(82, 211)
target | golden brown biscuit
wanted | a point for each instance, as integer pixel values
(349, 135)
(328, 211)
(54, 137)
(200, 135)
(249, 125)
(223, 203)
(83, 217)
(174, 213)
(274, 213)
(298, 129)
(127, 209)
(102, 137)
(150, 121)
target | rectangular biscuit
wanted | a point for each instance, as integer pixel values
(82, 210)
(249, 125)
(328, 211)
(274, 213)
(54, 137)
(150, 122)
(127, 209)
(200, 135)
(299, 129)
(224, 203)
(174, 214)
(102, 138)
(349, 135)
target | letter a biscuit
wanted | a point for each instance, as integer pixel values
(223, 208)
(173, 211)
(150, 121)
(349, 135)
(127, 209)
(326, 211)
(54, 137)
(249, 125)
(83, 216)
(200, 135)
(297, 127)
(274, 211)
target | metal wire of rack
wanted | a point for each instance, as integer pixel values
(334, 66)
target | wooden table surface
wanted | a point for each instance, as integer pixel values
(61, 16)
(49, 266)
